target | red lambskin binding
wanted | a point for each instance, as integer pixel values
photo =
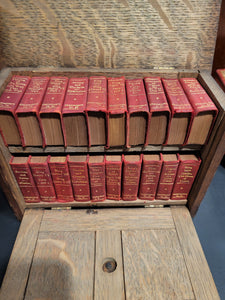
(11, 97)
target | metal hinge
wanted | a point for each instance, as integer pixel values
(164, 68)
(61, 208)
(154, 206)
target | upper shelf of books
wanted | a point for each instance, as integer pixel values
(95, 112)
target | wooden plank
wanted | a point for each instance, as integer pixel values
(107, 219)
(99, 149)
(199, 272)
(207, 170)
(154, 266)
(63, 266)
(213, 152)
(15, 280)
(109, 286)
(112, 34)
(108, 203)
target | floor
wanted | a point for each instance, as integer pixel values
(209, 222)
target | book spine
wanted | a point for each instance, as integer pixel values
(117, 103)
(32, 100)
(75, 99)
(10, 98)
(26, 182)
(61, 180)
(43, 179)
(130, 182)
(186, 174)
(97, 102)
(166, 181)
(80, 180)
(136, 102)
(97, 94)
(113, 180)
(53, 101)
(97, 181)
(149, 179)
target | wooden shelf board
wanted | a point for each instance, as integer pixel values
(106, 203)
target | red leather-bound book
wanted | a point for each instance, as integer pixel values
(74, 121)
(181, 112)
(96, 168)
(187, 171)
(138, 113)
(221, 74)
(150, 172)
(51, 111)
(23, 175)
(27, 112)
(96, 110)
(113, 166)
(9, 101)
(167, 176)
(78, 166)
(131, 176)
(61, 178)
(117, 110)
(42, 177)
(159, 111)
(205, 111)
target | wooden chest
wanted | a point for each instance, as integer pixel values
(113, 249)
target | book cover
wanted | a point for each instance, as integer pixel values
(27, 112)
(181, 112)
(131, 176)
(159, 111)
(96, 168)
(138, 113)
(96, 110)
(51, 111)
(167, 176)
(61, 178)
(187, 171)
(24, 178)
(113, 167)
(205, 111)
(9, 101)
(78, 167)
(42, 177)
(150, 172)
(74, 121)
(117, 110)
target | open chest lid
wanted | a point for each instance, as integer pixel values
(114, 34)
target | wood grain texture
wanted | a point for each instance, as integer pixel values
(63, 266)
(8, 182)
(112, 34)
(107, 219)
(154, 267)
(213, 152)
(109, 286)
(219, 55)
(15, 280)
(201, 278)
(207, 169)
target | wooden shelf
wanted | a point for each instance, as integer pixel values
(100, 149)
(106, 203)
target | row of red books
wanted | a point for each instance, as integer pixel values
(97, 178)
(113, 112)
